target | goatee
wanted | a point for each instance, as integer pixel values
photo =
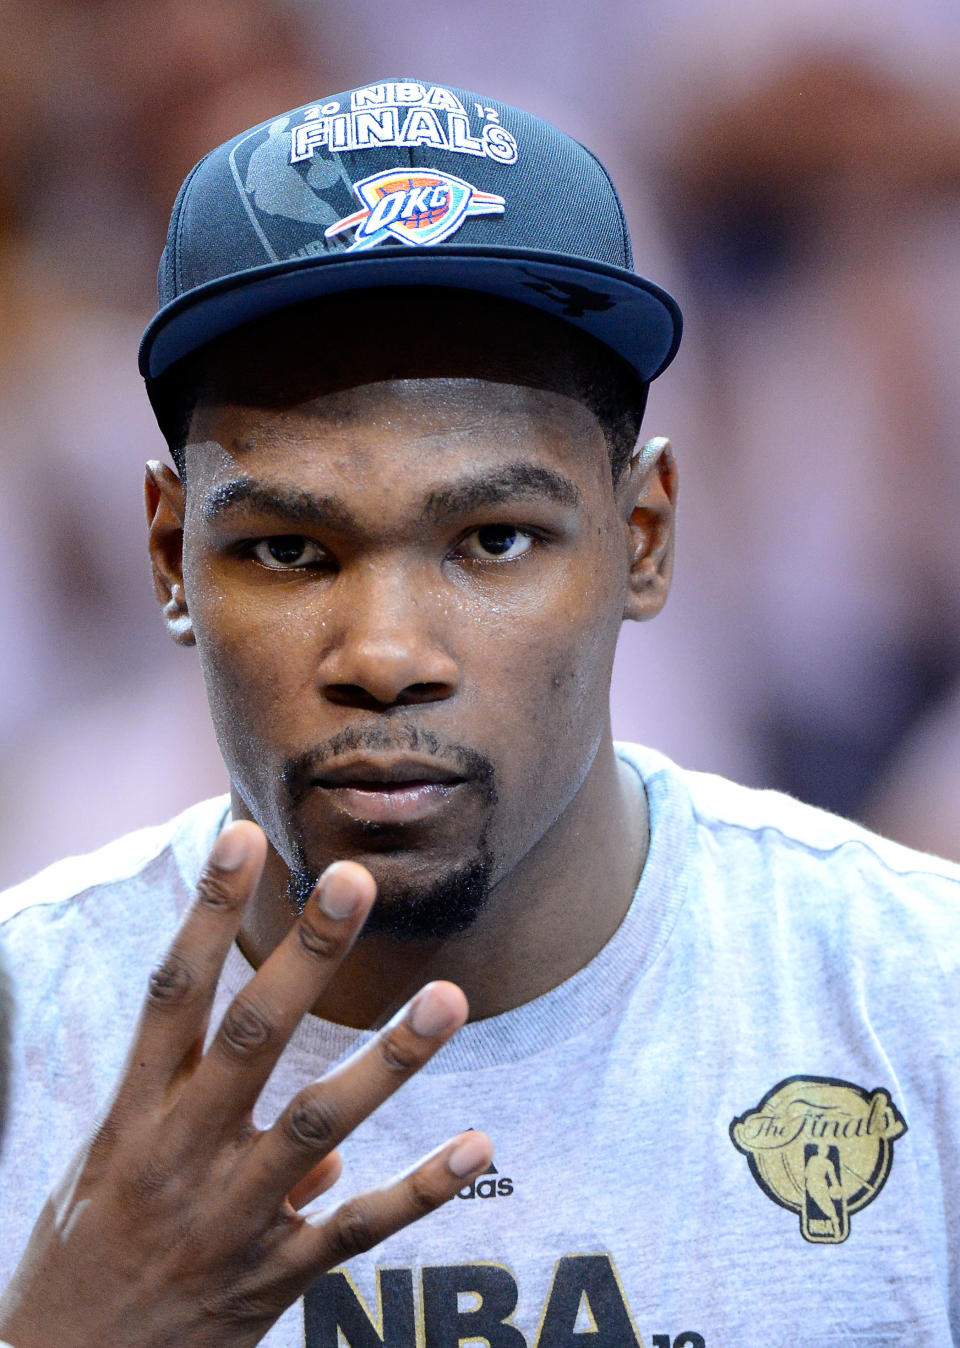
(449, 906)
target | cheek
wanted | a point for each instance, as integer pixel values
(256, 666)
(563, 674)
(550, 694)
(570, 641)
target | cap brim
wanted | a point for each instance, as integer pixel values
(629, 314)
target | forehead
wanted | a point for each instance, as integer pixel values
(441, 372)
(399, 451)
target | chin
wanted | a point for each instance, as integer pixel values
(423, 910)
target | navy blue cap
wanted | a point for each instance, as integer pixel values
(403, 183)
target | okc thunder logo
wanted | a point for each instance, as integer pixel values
(416, 206)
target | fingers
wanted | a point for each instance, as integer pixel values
(362, 1222)
(174, 1018)
(322, 1177)
(319, 1117)
(261, 1018)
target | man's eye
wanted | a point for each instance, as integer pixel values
(503, 542)
(287, 552)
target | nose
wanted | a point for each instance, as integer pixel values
(388, 643)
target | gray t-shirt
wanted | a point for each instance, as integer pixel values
(736, 1127)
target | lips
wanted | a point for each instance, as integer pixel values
(385, 772)
(385, 790)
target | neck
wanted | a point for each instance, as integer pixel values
(545, 920)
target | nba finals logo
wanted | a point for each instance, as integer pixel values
(415, 206)
(821, 1148)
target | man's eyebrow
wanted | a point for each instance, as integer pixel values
(508, 483)
(292, 504)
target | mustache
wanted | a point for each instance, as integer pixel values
(299, 773)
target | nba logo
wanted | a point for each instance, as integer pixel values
(823, 1216)
(415, 206)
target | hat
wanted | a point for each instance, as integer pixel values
(403, 183)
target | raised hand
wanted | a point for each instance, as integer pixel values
(179, 1221)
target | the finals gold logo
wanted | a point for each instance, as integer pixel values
(821, 1148)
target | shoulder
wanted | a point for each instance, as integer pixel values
(132, 889)
(773, 853)
(759, 818)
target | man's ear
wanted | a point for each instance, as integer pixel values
(649, 494)
(165, 502)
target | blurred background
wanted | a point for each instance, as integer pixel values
(791, 172)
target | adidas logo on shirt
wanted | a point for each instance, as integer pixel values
(487, 1187)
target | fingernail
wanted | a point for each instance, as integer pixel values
(230, 850)
(469, 1155)
(337, 897)
(430, 1014)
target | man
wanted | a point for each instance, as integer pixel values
(401, 363)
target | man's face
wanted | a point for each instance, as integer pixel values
(405, 586)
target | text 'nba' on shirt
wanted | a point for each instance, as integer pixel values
(403, 113)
